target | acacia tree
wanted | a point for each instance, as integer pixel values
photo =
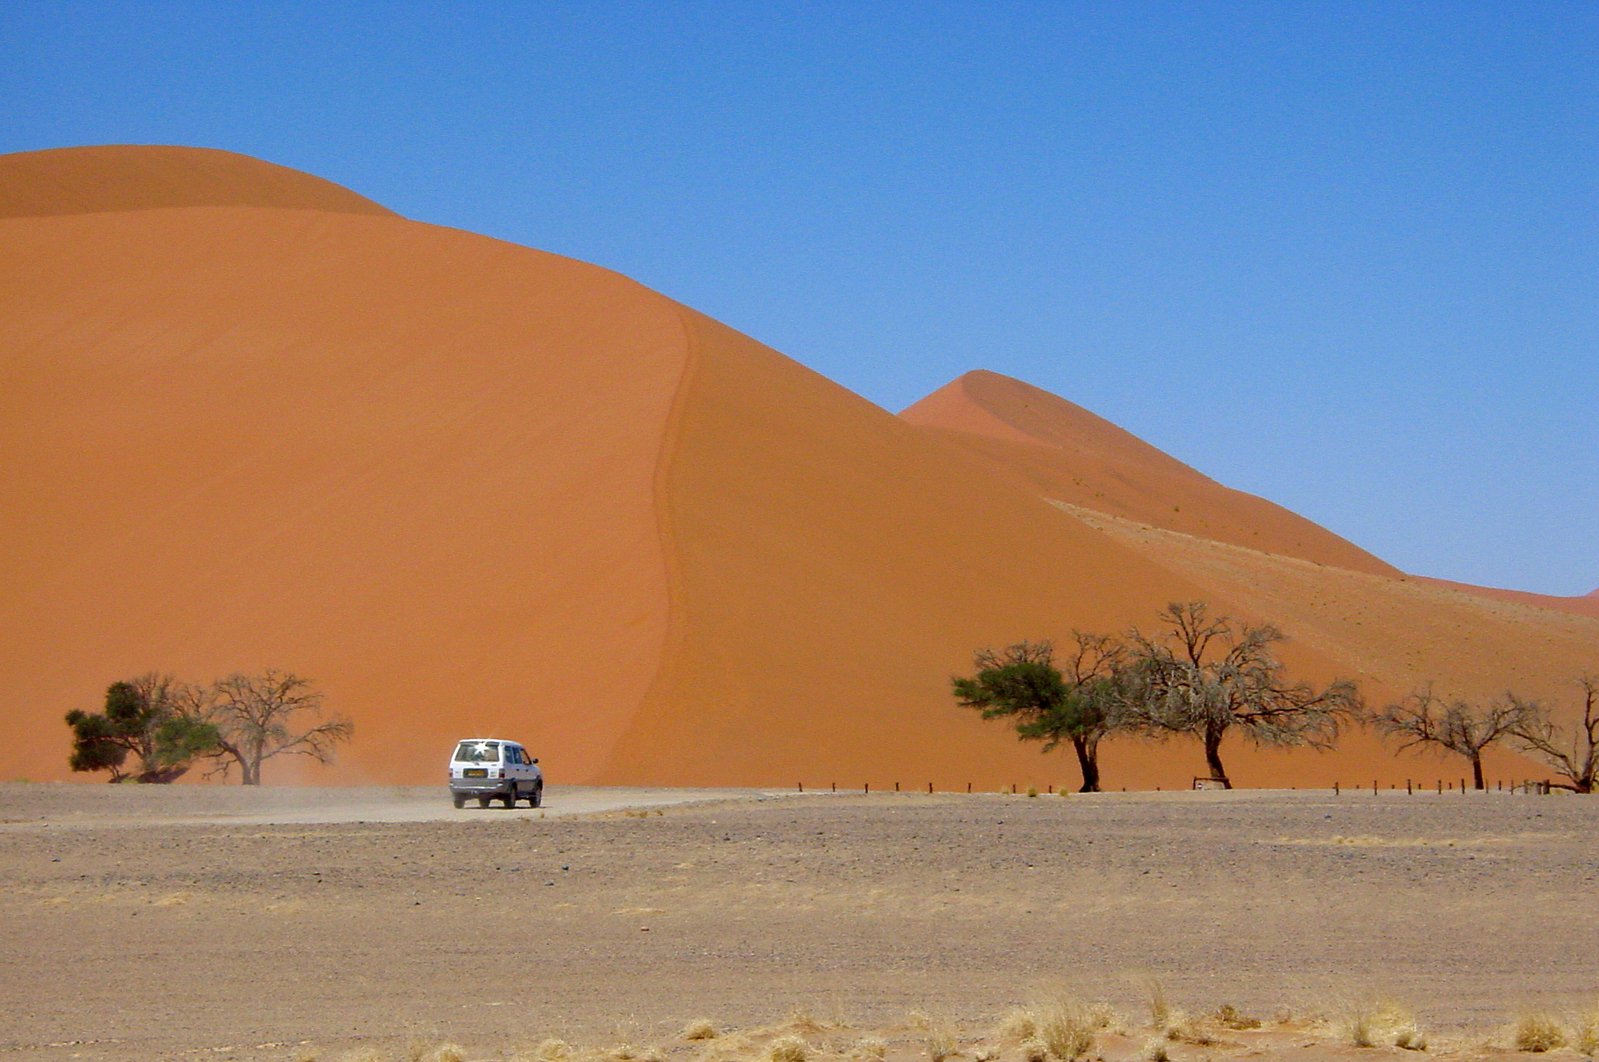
(155, 718)
(1425, 720)
(275, 713)
(1081, 705)
(1202, 677)
(1576, 757)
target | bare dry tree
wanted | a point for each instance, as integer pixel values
(1576, 756)
(1204, 678)
(258, 717)
(1424, 720)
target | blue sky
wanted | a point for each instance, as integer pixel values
(1342, 255)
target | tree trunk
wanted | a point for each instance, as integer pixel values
(1476, 771)
(1213, 757)
(1088, 762)
(252, 772)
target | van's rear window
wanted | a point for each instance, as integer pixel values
(477, 752)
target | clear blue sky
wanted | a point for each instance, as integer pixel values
(1342, 255)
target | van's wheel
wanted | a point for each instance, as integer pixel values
(537, 799)
(482, 802)
(458, 800)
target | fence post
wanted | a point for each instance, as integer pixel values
(868, 788)
(802, 787)
(1440, 787)
(968, 787)
(929, 788)
(1335, 789)
(896, 787)
(1408, 790)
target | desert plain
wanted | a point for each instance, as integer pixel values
(379, 922)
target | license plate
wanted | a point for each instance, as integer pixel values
(476, 772)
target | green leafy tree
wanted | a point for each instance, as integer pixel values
(153, 718)
(1205, 677)
(1081, 704)
(275, 713)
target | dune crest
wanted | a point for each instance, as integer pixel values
(88, 180)
(1074, 456)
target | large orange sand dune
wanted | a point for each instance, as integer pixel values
(250, 418)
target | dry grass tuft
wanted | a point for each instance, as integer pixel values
(1369, 1022)
(1155, 1050)
(448, 1053)
(699, 1029)
(1184, 1029)
(1229, 1018)
(985, 1054)
(1585, 1031)
(1067, 1028)
(553, 1050)
(1018, 1024)
(1537, 1032)
(943, 1040)
(869, 1047)
(788, 1049)
(1410, 1037)
(1033, 1050)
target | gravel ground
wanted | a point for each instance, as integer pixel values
(200, 921)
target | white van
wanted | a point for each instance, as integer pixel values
(494, 769)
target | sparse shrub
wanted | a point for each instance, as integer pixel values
(1032, 791)
(447, 1053)
(1067, 1029)
(1409, 1037)
(699, 1029)
(1184, 1029)
(1366, 1022)
(985, 1054)
(943, 1041)
(1585, 1031)
(1019, 1024)
(788, 1049)
(1229, 1017)
(1537, 1032)
(553, 1050)
(1033, 1050)
(1155, 1050)
(869, 1047)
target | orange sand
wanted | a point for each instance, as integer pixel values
(471, 487)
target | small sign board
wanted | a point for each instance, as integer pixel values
(1209, 783)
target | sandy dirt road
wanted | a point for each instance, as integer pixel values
(205, 923)
(145, 806)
